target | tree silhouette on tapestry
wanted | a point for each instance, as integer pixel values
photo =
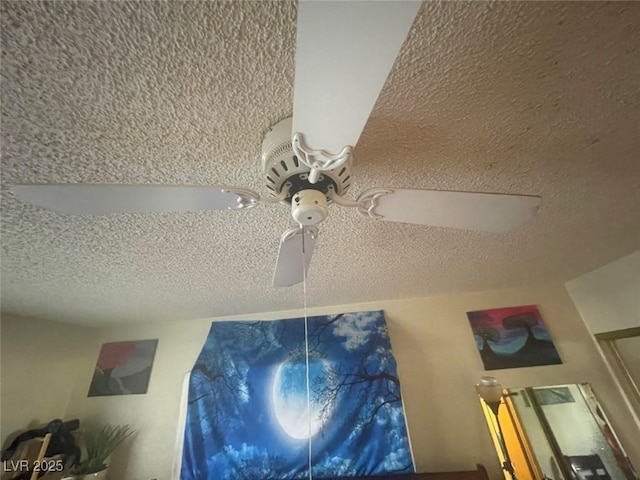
(371, 383)
(512, 337)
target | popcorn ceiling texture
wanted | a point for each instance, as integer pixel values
(514, 97)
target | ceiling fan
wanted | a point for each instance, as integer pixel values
(344, 53)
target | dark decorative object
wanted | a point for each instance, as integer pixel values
(512, 337)
(588, 467)
(62, 440)
(123, 368)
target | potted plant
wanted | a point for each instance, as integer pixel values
(100, 444)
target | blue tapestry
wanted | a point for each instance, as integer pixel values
(247, 415)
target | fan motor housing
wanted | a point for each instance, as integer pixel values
(281, 167)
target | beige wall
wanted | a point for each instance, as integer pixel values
(438, 364)
(608, 298)
(40, 366)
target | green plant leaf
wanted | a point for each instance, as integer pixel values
(100, 444)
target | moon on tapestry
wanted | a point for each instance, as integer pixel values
(290, 397)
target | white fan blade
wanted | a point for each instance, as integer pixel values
(296, 247)
(489, 212)
(344, 52)
(88, 199)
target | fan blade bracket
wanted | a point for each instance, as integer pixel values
(368, 202)
(311, 231)
(279, 198)
(339, 199)
(318, 160)
(246, 198)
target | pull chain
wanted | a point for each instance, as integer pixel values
(306, 346)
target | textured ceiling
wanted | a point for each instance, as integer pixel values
(514, 97)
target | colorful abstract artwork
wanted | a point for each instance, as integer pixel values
(123, 368)
(512, 337)
(255, 411)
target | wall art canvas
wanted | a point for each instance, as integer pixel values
(248, 415)
(123, 368)
(512, 337)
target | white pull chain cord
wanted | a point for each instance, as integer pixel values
(306, 347)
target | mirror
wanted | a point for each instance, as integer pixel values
(558, 432)
(621, 349)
